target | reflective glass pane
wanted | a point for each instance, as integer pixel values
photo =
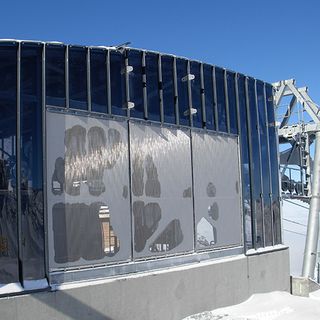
(8, 205)
(78, 78)
(118, 84)
(31, 162)
(221, 100)
(153, 97)
(208, 96)
(256, 170)
(196, 94)
(182, 84)
(274, 165)
(245, 165)
(55, 75)
(168, 89)
(264, 163)
(98, 77)
(136, 83)
(232, 102)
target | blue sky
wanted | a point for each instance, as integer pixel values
(267, 39)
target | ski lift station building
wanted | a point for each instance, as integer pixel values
(133, 184)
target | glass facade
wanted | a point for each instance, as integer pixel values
(110, 172)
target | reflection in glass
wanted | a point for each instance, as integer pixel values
(232, 102)
(264, 163)
(206, 233)
(196, 94)
(118, 87)
(256, 170)
(98, 78)
(8, 205)
(245, 166)
(55, 75)
(274, 166)
(169, 238)
(168, 89)
(146, 221)
(31, 161)
(153, 97)
(208, 96)
(78, 78)
(182, 84)
(221, 100)
(136, 83)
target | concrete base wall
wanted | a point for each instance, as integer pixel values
(167, 294)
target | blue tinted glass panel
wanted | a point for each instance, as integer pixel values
(196, 94)
(8, 205)
(264, 164)
(168, 89)
(208, 96)
(31, 162)
(232, 103)
(274, 165)
(182, 84)
(245, 163)
(221, 100)
(98, 77)
(118, 84)
(55, 76)
(78, 78)
(256, 170)
(136, 83)
(153, 97)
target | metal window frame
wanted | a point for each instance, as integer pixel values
(202, 97)
(225, 75)
(260, 162)
(189, 93)
(89, 102)
(18, 166)
(109, 103)
(175, 90)
(215, 98)
(144, 85)
(269, 160)
(160, 88)
(253, 208)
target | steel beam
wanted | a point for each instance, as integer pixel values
(310, 252)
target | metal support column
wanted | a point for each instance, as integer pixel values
(310, 252)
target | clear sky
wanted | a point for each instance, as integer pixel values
(268, 39)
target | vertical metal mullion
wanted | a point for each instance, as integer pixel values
(160, 88)
(144, 85)
(253, 208)
(202, 95)
(108, 82)
(215, 102)
(175, 83)
(260, 161)
(126, 64)
(130, 193)
(67, 76)
(240, 161)
(189, 93)
(18, 166)
(88, 79)
(269, 161)
(44, 164)
(226, 99)
(193, 193)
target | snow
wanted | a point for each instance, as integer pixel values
(268, 306)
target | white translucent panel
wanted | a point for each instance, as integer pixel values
(216, 190)
(161, 190)
(88, 191)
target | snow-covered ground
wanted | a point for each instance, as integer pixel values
(268, 306)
